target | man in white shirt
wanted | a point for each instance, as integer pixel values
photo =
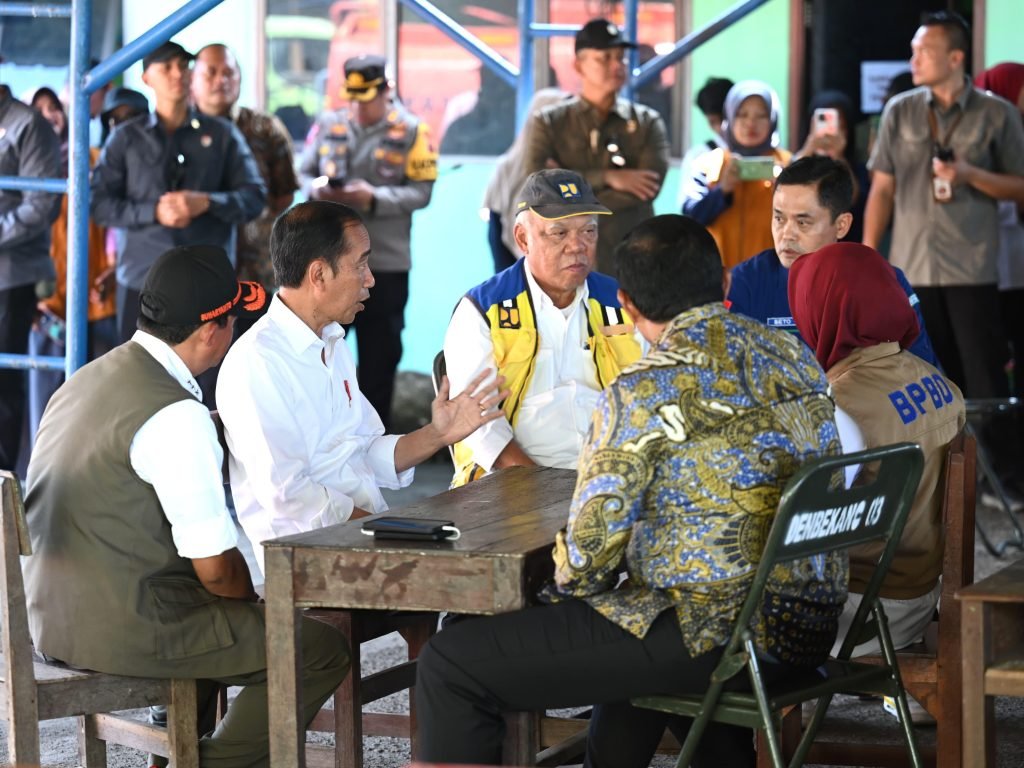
(553, 328)
(307, 449)
(135, 568)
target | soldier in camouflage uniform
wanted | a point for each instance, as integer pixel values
(376, 157)
(216, 82)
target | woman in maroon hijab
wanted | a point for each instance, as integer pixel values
(850, 309)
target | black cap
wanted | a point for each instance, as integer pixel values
(601, 34)
(556, 193)
(364, 75)
(123, 97)
(166, 52)
(194, 284)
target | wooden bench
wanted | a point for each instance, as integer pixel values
(993, 657)
(34, 691)
(932, 670)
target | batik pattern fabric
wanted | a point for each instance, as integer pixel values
(681, 476)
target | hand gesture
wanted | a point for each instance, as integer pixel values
(171, 211)
(729, 178)
(633, 181)
(954, 171)
(459, 417)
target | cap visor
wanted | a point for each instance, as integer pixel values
(555, 212)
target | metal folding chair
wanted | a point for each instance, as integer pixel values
(871, 512)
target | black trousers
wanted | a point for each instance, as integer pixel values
(558, 656)
(966, 326)
(379, 340)
(17, 307)
(967, 332)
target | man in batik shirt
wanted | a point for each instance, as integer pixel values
(688, 452)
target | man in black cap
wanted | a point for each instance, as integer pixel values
(136, 531)
(176, 177)
(375, 156)
(551, 326)
(620, 147)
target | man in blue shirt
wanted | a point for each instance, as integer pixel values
(175, 177)
(810, 209)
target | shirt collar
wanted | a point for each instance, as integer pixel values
(299, 335)
(622, 107)
(691, 317)
(962, 99)
(582, 292)
(161, 352)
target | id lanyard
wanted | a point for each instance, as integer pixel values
(933, 124)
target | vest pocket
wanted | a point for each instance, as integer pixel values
(190, 620)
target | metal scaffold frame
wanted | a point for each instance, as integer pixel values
(85, 81)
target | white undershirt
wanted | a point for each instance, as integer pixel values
(556, 407)
(852, 440)
(177, 452)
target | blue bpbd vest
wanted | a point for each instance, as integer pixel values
(505, 302)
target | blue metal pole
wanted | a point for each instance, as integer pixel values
(684, 47)
(463, 37)
(23, 184)
(35, 11)
(524, 88)
(77, 310)
(631, 9)
(554, 30)
(145, 43)
(28, 362)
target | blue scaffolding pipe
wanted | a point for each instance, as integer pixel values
(21, 184)
(32, 362)
(463, 37)
(35, 11)
(649, 71)
(524, 86)
(554, 30)
(631, 9)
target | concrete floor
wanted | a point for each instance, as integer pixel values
(845, 716)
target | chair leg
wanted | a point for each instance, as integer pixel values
(889, 653)
(182, 725)
(92, 750)
(767, 726)
(416, 637)
(22, 734)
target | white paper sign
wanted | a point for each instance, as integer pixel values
(875, 77)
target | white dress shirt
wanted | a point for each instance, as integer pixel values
(554, 414)
(851, 439)
(177, 452)
(305, 446)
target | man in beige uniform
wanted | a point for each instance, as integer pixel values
(620, 147)
(136, 569)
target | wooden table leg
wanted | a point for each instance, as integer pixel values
(284, 662)
(522, 738)
(978, 735)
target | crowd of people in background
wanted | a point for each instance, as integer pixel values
(815, 281)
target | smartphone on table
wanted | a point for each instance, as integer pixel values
(411, 529)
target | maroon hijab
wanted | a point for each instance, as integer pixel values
(1004, 80)
(846, 296)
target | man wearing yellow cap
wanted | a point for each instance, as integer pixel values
(375, 156)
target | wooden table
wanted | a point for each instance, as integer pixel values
(508, 522)
(992, 639)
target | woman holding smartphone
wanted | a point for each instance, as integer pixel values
(731, 190)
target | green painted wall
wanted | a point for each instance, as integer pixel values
(755, 47)
(1002, 31)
